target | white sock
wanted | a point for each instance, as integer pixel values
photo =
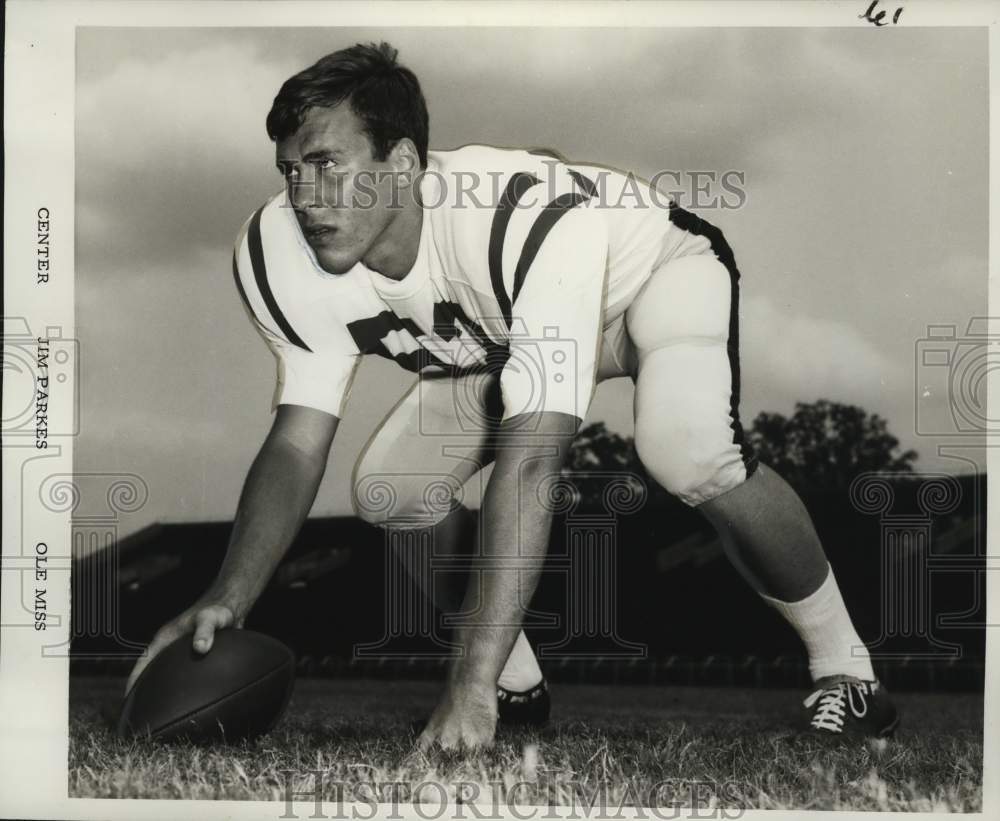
(521, 672)
(823, 624)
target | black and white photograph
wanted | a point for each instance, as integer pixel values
(449, 410)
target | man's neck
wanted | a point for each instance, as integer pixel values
(395, 253)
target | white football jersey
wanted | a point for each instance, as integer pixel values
(523, 262)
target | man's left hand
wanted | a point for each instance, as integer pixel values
(465, 718)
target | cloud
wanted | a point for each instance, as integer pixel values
(789, 357)
(171, 151)
(156, 430)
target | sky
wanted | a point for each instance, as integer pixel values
(865, 222)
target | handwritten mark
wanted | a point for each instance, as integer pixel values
(879, 18)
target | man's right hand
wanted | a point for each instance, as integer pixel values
(278, 492)
(201, 620)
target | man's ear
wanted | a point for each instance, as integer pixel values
(405, 160)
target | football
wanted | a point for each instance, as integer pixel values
(236, 691)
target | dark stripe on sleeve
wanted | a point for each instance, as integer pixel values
(260, 275)
(550, 215)
(585, 184)
(512, 194)
(694, 224)
(239, 287)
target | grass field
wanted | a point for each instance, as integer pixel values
(605, 747)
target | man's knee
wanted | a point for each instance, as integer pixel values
(404, 501)
(690, 460)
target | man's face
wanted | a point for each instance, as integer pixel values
(342, 196)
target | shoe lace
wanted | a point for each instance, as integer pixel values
(833, 704)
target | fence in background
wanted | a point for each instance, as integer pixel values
(902, 674)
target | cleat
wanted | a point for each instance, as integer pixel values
(530, 708)
(844, 706)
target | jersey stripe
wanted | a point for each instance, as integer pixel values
(550, 215)
(584, 183)
(515, 189)
(694, 224)
(260, 275)
(239, 287)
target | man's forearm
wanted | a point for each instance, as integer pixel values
(516, 525)
(279, 491)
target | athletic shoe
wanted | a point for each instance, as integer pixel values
(847, 706)
(530, 708)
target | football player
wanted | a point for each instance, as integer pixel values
(511, 282)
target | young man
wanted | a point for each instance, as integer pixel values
(511, 282)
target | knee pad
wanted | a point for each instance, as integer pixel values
(405, 501)
(692, 461)
(684, 327)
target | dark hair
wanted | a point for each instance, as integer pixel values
(385, 95)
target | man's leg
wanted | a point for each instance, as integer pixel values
(422, 456)
(766, 530)
(687, 437)
(455, 536)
